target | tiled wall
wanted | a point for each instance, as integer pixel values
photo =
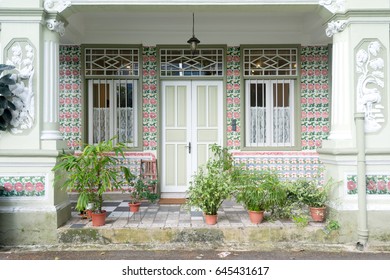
(22, 186)
(376, 184)
(149, 98)
(314, 101)
(70, 91)
(290, 165)
(315, 90)
(233, 101)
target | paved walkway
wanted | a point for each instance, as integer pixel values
(231, 215)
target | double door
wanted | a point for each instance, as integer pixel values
(191, 123)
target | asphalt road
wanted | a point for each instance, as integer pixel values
(7, 254)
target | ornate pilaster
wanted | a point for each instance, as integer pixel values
(50, 102)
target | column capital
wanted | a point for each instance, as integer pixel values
(56, 26)
(335, 26)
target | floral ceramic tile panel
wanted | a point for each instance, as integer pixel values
(22, 186)
(375, 184)
(291, 165)
(315, 92)
(233, 102)
(149, 98)
(70, 95)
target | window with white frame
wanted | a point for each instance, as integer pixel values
(270, 77)
(112, 101)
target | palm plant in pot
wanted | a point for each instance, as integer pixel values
(91, 173)
(212, 184)
(260, 191)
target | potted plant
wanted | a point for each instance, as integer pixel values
(259, 192)
(314, 195)
(212, 184)
(91, 173)
(141, 189)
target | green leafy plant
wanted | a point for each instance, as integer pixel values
(92, 172)
(214, 183)
(260, 191)
(142, 189)
(291, 206)
(301, 220)
(332, 225)
(6, 96)
(311, 192)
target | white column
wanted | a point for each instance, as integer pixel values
(50, 91)
(342, 97)
(50, 103)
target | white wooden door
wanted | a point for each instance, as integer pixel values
(191, 122)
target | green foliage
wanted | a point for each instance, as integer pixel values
(142, 189)
(291, 207)
(311, 193)
(332, 225)
(214, 183)
(6, 96)
(92, 172)
(260, 191)
(301, 220)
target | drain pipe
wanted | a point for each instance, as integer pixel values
(361, 178)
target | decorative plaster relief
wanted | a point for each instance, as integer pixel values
(56, 26)
(22, 57)
(334, 6)
(53, 6)
(370, 68)
(335, 26)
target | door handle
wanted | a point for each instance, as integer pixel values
(189, 147)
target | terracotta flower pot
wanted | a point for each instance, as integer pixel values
(134, 207)
(211, 219)
(256, 216)
(88, 212)
(317, 213)
(99, 219)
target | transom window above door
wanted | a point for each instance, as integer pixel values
(111, 62)
(182, 63)
(270, 62)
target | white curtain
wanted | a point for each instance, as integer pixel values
(258, 125)
(101, 124)
(281, 125)
(125, 125)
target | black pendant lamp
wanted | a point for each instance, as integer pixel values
(193, 41)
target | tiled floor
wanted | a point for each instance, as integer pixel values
(230, 215)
